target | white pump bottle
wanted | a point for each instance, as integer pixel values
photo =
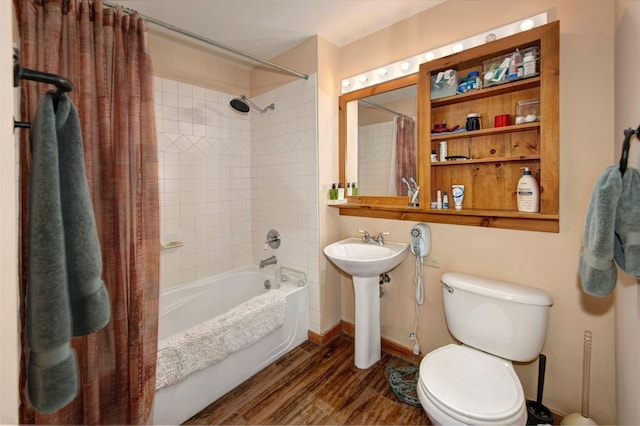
(528, 193)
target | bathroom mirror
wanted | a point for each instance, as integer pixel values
(378, 137)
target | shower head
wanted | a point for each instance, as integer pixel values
(241, 104)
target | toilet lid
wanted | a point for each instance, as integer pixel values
(472, 383)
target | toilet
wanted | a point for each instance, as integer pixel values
(474, 382)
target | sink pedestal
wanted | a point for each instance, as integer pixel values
(367, 326)
(365, 262)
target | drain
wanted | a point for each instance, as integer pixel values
(267, 284)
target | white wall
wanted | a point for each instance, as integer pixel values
(627, 107)
(10, 348)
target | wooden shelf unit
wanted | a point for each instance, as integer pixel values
(496, 155)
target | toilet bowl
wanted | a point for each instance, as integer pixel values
(468, 386)
(474, 382)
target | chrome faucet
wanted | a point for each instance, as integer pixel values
(366, 238)
(380, 239)
(268, 261)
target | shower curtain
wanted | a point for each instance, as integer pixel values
(406, 152)
(104, 53)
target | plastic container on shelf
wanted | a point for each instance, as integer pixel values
(527, 111)
(512, 66)
(444, 83)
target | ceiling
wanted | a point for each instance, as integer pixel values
(266, 28)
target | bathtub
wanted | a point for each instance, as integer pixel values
(188, 305)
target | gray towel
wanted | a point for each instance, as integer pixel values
(627, 241)
(612, 231)
(90, 308)
(62, 253)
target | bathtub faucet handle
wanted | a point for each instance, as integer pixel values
(273, 239)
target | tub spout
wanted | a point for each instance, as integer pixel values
(268, 261)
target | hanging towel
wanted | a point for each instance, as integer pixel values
(612, 231)
(627, 228)
(62, 252)
(90, 308)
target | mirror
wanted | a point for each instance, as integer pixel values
(378, 137)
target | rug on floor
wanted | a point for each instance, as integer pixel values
(403, 381)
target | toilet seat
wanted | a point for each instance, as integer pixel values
(472, 386)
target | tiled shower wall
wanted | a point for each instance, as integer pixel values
(205, 194)
(226, 178)
(284, 181)
(374, 157)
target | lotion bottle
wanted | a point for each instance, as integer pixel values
(528, 193)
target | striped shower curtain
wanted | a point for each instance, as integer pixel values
(104, 53)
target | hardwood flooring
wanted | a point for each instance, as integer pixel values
(316, 385)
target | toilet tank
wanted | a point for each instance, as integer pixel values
(504, 319)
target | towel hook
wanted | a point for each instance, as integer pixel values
(624, 158)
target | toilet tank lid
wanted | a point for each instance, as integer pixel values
(510, 292)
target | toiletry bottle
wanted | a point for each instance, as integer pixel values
(439, 200)
(529, 64)
(333, 192)
(349, 190)
(340, 191)
(354, 189)
(445, 200)
(443, 151)
(434, 156)
(528, 193)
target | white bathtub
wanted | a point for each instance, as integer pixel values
(188, 305)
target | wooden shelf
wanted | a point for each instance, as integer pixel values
(472, 217)
(436, 137)
(488, 92)
(491, 175)
(484, 160)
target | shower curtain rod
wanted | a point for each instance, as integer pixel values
(209, 41)
(373, 104)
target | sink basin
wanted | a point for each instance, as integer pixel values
(361, 259)
(365, 262)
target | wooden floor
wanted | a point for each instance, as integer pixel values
(317, 385)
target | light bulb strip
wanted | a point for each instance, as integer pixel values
(411, 65)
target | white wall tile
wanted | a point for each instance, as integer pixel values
(227, 178)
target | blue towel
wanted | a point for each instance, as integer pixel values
(612, 231)
(64, 286)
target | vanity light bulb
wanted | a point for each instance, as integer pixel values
(363, 78)
(346, 83)
(458, 47)
(382, 71)
(526, 25)
(404, 66)
(429, 56)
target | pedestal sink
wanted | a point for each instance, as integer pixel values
(365, 262)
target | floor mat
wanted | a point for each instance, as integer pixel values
(403, 382)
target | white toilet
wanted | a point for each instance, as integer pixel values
(475, 383)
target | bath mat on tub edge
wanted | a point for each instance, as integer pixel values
(403, 382)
